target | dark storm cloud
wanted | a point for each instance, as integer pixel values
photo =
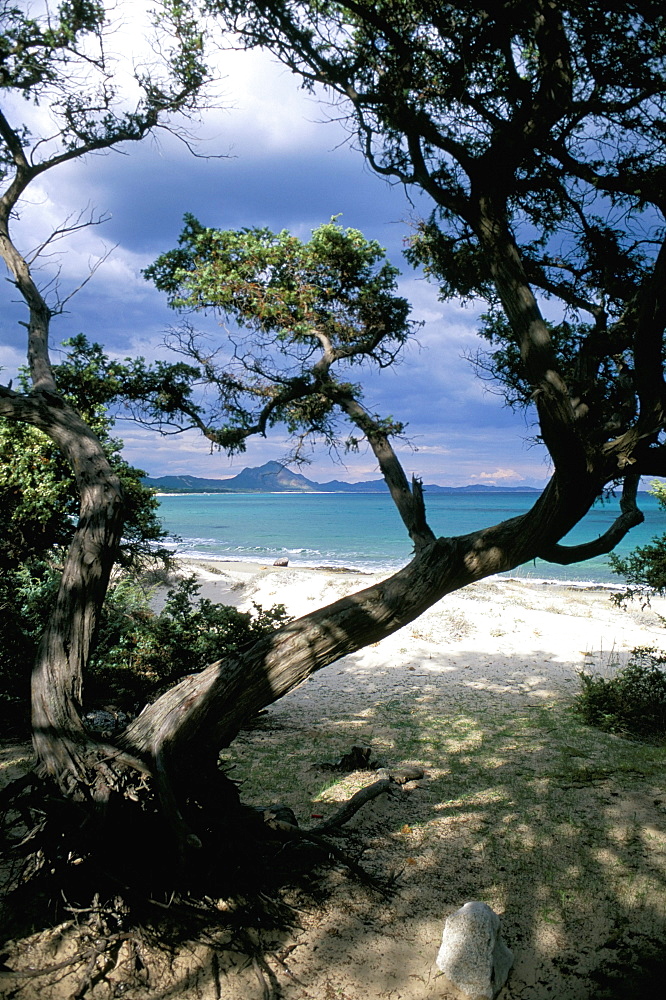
(280, 170)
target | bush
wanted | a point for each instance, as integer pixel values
(644, 569)
(139, 653)
(632, 703)
(26, 596)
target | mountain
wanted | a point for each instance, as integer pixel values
(275, 478)
(481, 488)
(269, 478)
(184, 484)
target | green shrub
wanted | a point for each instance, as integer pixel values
(644, 569)
(139, 653)
(632, 703)
(27, 594)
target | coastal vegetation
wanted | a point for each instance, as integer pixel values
(645, 569)
(631, 702)
(536, 129)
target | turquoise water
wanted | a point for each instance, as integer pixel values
(363, 531)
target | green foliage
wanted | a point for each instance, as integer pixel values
(27, 593)
(645, 567)
(603, 379)
(139, 653)
(57, 57)
(38, 501)
(632, 703)
(309, 308)
(338, 283)
(30, 49)
(38, 494)
(97, 385)
(39, 506)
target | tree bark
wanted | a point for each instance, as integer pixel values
(64, 753)
(59, 738)
(205, 711)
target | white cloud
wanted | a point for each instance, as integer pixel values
(265, 109)
(501, 474)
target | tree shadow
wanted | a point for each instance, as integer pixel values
(558, 827)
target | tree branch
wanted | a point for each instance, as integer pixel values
(631, 516)
(554, 405)
(206, 710)
(409, 502)
(648, 345)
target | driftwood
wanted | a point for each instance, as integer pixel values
(356, 802)
(341, 816)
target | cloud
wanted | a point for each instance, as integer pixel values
(500, 474)
(11, 359)
(281, 168)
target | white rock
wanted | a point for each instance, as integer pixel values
(472, 954)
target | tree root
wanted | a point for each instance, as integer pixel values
(89, 955)
(350, 808)
(37, 821)
(270, 987)
(341, 816)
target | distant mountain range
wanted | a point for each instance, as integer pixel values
(275, 478)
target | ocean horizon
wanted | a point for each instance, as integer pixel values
(363, 531)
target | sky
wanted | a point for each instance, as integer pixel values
(270, 155)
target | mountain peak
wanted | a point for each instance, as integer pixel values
(274, 477)
(267, 468)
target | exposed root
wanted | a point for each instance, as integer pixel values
(64, 861)
(270, 987)
(83, 769)
(89, 955)
(350, 808)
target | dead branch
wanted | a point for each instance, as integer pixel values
(349, 808)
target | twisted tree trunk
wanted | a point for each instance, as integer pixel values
(205, 711)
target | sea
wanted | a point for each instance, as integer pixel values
(364, 532)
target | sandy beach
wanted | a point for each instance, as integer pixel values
(511, 637)
(557, 826)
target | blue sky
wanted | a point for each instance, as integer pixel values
(286, 165)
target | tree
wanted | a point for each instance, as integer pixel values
(38, 508)
(537, 131)
(38, 494)
(304, 310)
(59, 60)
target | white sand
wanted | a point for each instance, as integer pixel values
(519, 640)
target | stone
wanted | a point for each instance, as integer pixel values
(472, 954)
(281, 562)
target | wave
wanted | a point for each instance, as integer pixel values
(362, 533)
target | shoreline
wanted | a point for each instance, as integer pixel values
(361, 532)
(510, 636)
(256, 565)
